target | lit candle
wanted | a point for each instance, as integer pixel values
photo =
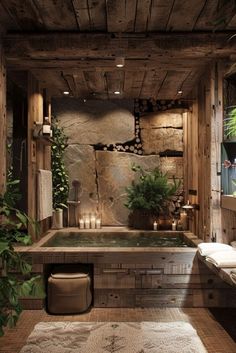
(155, 225)
(93, 222)
(98, 223)
(174, 225)
(87, 223)
(183, 220)
(81, 224)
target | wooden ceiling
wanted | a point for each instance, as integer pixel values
(72, 44)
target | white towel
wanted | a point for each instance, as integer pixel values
(233, 276)
(206, 249)
(223, 258)
(233, 243)
(44, 208)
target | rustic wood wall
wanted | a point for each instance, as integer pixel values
(2, 120)
(190, 127)
(202, 139)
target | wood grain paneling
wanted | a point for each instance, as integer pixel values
(90, 15)
(121, 15)
(184, 15)
(155, 65)
(65, 19)
(24, 13)
(2, 121)
(118, 15)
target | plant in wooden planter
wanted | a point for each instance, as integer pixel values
(21, 284)
(149, 197)
(60, 180)
(230, 124)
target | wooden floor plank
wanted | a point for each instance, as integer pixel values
(213, 336)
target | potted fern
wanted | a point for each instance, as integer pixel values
(149, 197)
(60, 180)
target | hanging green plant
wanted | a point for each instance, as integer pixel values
(230, 124)
(60, 180)
(13, 230)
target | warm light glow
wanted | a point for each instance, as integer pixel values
(180, 91)
(120, 61)
(66, 92)
(117, 92)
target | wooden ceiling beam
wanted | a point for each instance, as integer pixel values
(101, 65)
(83, 46)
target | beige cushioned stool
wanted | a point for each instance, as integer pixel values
(68, 291)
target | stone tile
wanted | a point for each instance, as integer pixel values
(173, 166)
(162, 131)
(80, 163)
(114, 175)
(171, 118)
(161, 140)
(95, 122)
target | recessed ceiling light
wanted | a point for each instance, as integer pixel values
(120, 61)
(117, 92)
(66, 92)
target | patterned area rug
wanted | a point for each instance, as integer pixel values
(111, 337)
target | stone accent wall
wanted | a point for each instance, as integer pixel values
(162, 131)
(95, 122)
(105, 140)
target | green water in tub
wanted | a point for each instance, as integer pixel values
(117, 239)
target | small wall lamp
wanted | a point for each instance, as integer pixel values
(190, 207)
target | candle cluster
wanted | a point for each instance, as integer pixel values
(90, 222)
(176, 224)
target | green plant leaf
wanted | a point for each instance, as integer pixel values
(59, 175)
(4, 246)
(11, 232)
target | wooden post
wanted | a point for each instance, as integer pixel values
(2, 121)
(39, 155)
(35, 114)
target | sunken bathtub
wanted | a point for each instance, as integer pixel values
(135, 269)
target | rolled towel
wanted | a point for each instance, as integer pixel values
(223, 258)
(206, 249)
(233, 275)
(233, 243)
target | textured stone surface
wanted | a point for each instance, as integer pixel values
(107, 193)
(173, 166)
(170, 118)
(95, 121)
(114, 175)
(160, 140)
(162, 131)
(80, 163)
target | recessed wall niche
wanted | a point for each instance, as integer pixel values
(106, 137)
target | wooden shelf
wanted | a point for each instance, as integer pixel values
(228, 202)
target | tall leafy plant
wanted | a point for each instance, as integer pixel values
(13, 230)
(60, 178)
(230, 124)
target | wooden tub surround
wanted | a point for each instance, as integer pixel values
(139, 277)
